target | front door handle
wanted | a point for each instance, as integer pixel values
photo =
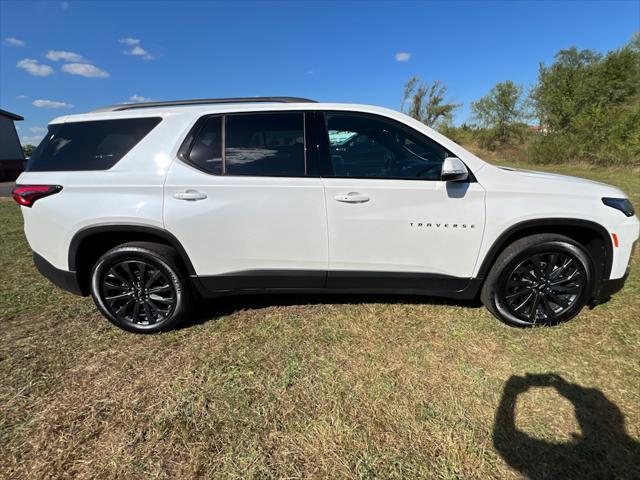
(190, 195)
(352, 197)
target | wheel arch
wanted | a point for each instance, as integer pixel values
(591, 235)
(88, 244)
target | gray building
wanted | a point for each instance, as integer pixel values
(11, 156)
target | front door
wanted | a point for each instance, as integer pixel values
(392, 223)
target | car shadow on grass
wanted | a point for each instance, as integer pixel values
(211, 309)
(602, 450)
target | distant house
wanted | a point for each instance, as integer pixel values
(11, 156)
(539, 129)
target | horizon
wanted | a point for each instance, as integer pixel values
(60, 63)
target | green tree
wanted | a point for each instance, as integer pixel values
(427, 102)
(501, 113)
(591, 105)
(28, 150)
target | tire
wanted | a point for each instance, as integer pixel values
(543, 279)
(158, 303)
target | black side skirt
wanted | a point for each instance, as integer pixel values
(319, 281)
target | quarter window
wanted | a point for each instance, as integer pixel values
(366, 146)
(95, 145)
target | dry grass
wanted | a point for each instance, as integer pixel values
(313, 387)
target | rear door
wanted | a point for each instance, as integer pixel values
(241, 203)
(392, 222)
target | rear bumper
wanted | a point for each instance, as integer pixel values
(61, 278)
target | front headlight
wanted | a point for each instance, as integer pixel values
(622, 204)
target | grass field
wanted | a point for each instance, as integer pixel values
(315, 386)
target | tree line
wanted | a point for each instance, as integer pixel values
(584, 107)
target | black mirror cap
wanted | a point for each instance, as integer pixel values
(454, 176)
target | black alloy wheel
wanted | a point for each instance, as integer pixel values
(543, 287)
(138, 292)
(142, 287)
(542, 279)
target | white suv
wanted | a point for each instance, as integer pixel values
(146, 206)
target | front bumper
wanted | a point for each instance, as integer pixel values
(607, 289)
(61, 278)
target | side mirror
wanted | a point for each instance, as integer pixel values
(453, 170)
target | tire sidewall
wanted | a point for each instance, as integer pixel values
(549, 246)
(137, 254)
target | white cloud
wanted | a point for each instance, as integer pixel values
(21, 97)
(56, 55)
(84, 70)
(64, 5)
(403, 56)
(14, 42)
(37, 130)
(138, 51)
(129, 41)
(50, 104)
(34, 68)
(139, 98)
(31, 140)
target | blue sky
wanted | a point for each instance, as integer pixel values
(67, 57)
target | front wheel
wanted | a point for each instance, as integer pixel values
(543, 279)
(140, 287)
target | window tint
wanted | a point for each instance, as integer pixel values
(95, 145)
(206, 150)
(366, 146)
(267, 144)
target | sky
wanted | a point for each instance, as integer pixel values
(58, 58)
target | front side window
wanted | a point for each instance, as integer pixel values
(367, 146)
(265, 144)
(95, 145)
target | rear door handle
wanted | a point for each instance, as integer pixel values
(190, 195)
(352, 197)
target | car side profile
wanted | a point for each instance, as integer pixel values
(146, 206)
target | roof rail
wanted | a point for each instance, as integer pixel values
(202, 101)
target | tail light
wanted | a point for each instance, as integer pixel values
(26, 195)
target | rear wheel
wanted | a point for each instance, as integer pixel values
(543, 279)
(140, 287)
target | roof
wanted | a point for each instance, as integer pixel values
(12, 116)
(209, 109)
(188, 113)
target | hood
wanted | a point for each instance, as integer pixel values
(552, 176)
(513, 179)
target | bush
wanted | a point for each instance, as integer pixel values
(462, 135)
(551, 148)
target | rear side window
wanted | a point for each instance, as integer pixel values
(266, 144)
(96, 145)
(256, 144)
